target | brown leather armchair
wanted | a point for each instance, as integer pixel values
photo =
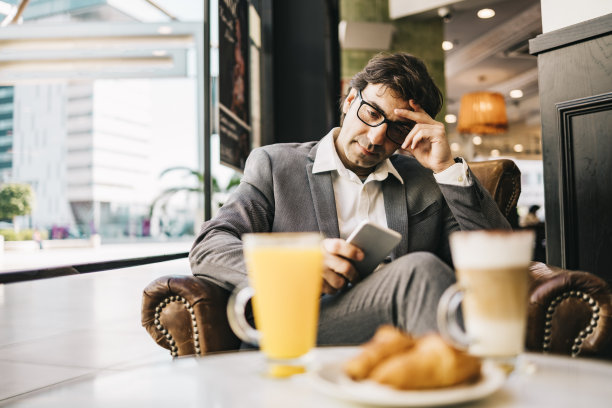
(570, 312)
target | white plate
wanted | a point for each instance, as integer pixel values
(331, 380)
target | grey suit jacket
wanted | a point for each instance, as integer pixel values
(279, 193)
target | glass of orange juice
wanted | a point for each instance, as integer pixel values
(285, 273)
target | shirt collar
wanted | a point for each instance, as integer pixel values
(327, 159)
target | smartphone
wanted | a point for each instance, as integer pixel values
(376, 242)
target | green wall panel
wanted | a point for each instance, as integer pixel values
(364, 10)
(417, 36)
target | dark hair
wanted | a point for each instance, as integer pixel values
(406, 75)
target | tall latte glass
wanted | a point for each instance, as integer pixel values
(492, 284)
(285, 273)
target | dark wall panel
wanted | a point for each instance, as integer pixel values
(306, 69)
(575, 81)
(593, 191)
(586, 194)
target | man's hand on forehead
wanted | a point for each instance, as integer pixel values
(427, 141)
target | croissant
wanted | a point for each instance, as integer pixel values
(430, 363)
(386, 342)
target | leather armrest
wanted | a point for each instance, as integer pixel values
(502, 179)
(186, 315)
(569, 312)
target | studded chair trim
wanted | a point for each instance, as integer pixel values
(576, 347)
(569, 312)
(186, 315)
(164, 331)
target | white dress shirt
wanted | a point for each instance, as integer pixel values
(358, 200)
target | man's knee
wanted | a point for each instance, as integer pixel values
(421, 266)
(419, 279)
(420, 259)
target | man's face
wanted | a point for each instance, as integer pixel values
(362, 147)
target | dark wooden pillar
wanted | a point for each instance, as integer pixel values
(575, 82)
(301, 77)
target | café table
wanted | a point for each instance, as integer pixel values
(235, 380)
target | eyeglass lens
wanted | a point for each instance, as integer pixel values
(372, 117)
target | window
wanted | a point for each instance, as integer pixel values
(103, 121)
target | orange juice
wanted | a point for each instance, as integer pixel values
(287, 282)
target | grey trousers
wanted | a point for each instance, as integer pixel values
(404, 293)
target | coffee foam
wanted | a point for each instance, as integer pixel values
(491, 248)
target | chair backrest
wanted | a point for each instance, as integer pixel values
(502, 179)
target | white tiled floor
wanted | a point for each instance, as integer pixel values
(56, 330)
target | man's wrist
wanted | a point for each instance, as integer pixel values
(446, 165)
(456, 175)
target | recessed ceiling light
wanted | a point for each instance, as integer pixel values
(160, 53)
(164, 30)
(518, 147)
(495, 153)
(486, 13)
(455, 147)
(516, 93)
(450, 118)
(447, 45)
(477, 140)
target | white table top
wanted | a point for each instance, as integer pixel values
(235, 380)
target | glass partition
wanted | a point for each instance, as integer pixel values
(101, 131)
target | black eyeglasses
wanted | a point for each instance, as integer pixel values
(373, 117)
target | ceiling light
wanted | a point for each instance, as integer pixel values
(447, 45)
(516, 93)
(518, 147)
(164, 30)
(477, 140)
(485, 13)
(495, 153)
(160, 53)
(482, 113)
(445, 13)
(450, 118)
(455, 147)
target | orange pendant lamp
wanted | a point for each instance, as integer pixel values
(482, 113)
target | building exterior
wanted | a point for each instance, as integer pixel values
(39, 152)
(108, 150)
(86, 147)
(6, 132)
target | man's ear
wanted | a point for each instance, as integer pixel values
(349, 100)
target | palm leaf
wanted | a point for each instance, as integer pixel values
(168, 193)
(190, 171)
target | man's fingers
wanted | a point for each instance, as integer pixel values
(419, 132)
(328, 289)
(333, 279)
(338, 267)
(340, 247)
(342, 267)
(418, 117)
(417, 113)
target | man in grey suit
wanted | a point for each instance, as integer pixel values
(390, 163)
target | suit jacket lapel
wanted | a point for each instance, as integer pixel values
(324, 202)
(396, 210)
(322, 195)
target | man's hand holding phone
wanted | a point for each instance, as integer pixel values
(352, 260)
(338, 266)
